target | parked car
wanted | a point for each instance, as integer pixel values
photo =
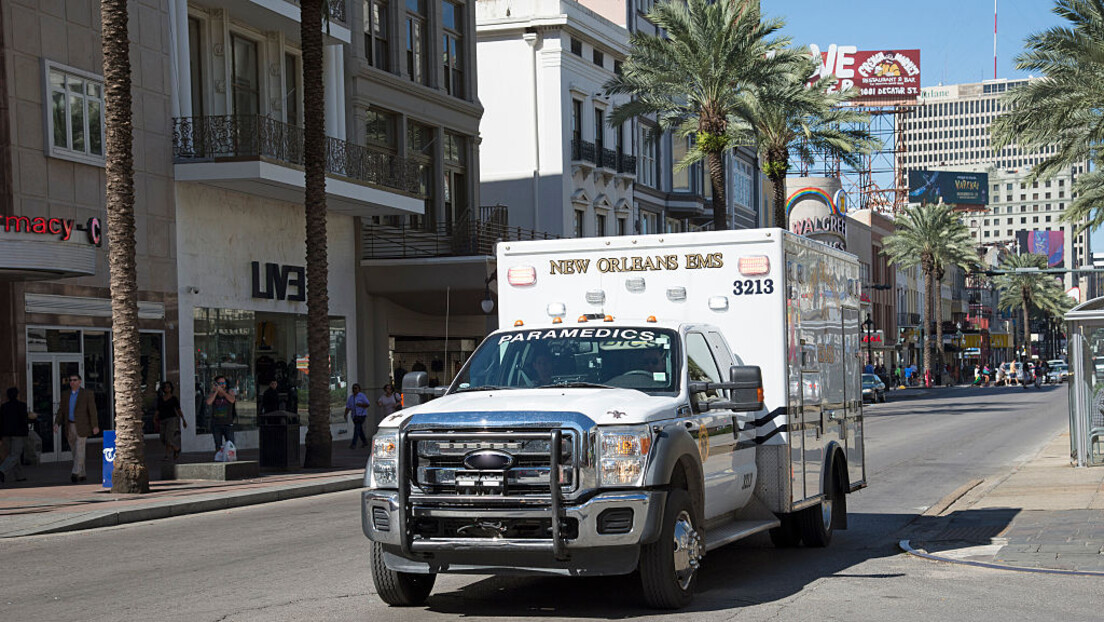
(1059, 372)
(873, 388)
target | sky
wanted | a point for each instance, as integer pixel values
(955, 37)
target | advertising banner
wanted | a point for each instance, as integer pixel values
(108, 457)
(953, 188)
(875, 75)
(1049, 243)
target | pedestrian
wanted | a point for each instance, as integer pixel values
(77, 412)
(388, 402)
(221, 402)
(13, 431)
(169, 418)
(358, 403)
(270, 401)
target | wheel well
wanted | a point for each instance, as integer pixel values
(687, 476)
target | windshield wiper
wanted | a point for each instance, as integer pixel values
(483, 387)
(575, 385)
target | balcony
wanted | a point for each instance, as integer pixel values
(263, 156)
(908, 320)
(283, 16)
(582, 151)
(469, 235)
(626, 164)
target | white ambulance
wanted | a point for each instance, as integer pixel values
(647, 399)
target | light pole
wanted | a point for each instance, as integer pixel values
(958, 345)
(869, 325)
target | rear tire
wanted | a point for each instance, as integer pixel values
(399, 589)
(816, 521)
(788, 534)
(669, 566)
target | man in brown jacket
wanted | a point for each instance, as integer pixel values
(77, 412)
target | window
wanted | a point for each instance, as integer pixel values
(599, 58)
(419, 149)
(195, 41)
(741, 183)
(456, 179)
(453, 48)
(646, 164)
(379, 128)
(680, 179)
(599, 224)
(576, 47)
(577, 224)
(75, 118)
(622, 226)
(291, 89)
(599, 130)
(376, 46)
(700, 365)
(576, 121)
(245, 81)
(416, 41)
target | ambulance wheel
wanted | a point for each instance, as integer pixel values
(788, 534)
(399, 589)
(816, 521)
(669, 566)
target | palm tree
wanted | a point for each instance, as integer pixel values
(933, 237)
(1063, 109)
(784, 115)
(690, 80)
(1023, 286)
(130, 472)
(319, 448)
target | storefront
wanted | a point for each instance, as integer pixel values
(243, 287)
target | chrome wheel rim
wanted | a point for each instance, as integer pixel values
(688, 549)
(826, 513)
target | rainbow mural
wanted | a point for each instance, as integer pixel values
(809, 193)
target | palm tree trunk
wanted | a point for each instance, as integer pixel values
(130, 472)
(1026, 331)
(319, 446)
(938, 293)
(776, 167)
(927, 320)
(717, 178)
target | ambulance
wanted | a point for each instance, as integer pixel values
(646, 400)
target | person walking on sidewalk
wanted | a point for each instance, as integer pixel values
(358, 403)
(221, 402)
(388, 402)
(13, 431)
(169, 419)
(77, 412)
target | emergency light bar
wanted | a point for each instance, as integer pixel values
(754, 265)
(521, 275)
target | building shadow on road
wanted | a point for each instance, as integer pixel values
(748, 573)
(959, 529)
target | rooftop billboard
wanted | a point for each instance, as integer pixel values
(955, 188)
(1048, 243)
(878, 76)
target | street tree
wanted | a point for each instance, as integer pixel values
(690, 80)
(1063, 107)
(928, 236)
(130, 472)
(1024, 287)
(785, 116)
(319, 447)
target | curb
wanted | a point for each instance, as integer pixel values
(906, 546)
(194, 505)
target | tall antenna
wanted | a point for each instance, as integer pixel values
(994, 39)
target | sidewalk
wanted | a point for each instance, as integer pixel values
(48, 503)
(1043, 516)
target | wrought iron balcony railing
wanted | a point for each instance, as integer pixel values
(608, 159)
(245, 137)
(582, 151)
(626, 164)
(336, 10)
(465, 236)
(908, 320)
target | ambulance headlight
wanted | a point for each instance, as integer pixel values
(383, 464)
(623, 454)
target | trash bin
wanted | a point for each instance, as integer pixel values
(279, 440)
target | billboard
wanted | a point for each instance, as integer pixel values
(816, 208)
(1049, 243)
(951, 187)
(881, 75)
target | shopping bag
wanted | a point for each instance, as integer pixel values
(230, 453)
(220, 456)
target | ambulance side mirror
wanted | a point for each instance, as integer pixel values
(416, 389)
(745, 386)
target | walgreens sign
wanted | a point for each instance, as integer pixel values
(881, 75)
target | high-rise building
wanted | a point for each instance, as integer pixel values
(949, 130)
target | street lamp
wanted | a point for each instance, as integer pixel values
(869, 326)
(958, 345)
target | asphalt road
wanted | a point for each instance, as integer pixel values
(306, 559)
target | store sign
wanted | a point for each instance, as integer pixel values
(63, 228)
(874, 75)
(279, 282)
(873, 338)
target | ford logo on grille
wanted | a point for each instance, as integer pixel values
(488, 460)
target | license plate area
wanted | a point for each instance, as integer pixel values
(480, 482)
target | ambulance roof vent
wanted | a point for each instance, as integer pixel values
(718, 303)
(635, 284)
(596, 296)
(676, 294)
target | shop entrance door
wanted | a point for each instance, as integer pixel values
(48, 376)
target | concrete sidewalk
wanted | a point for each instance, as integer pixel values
(1043, 516)
(48, 503)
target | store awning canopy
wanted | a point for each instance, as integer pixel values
(28, 257)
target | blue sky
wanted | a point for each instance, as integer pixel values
(955, 37)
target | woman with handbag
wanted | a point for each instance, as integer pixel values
(169, 419)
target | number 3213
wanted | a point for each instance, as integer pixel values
(751, 287)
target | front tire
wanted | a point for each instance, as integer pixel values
(669, 566)
(399, 589)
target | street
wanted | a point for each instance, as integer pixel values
(307, 558)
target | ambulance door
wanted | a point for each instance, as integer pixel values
(713, 429)
(743, 451)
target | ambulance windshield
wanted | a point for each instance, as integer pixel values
(624, 357)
